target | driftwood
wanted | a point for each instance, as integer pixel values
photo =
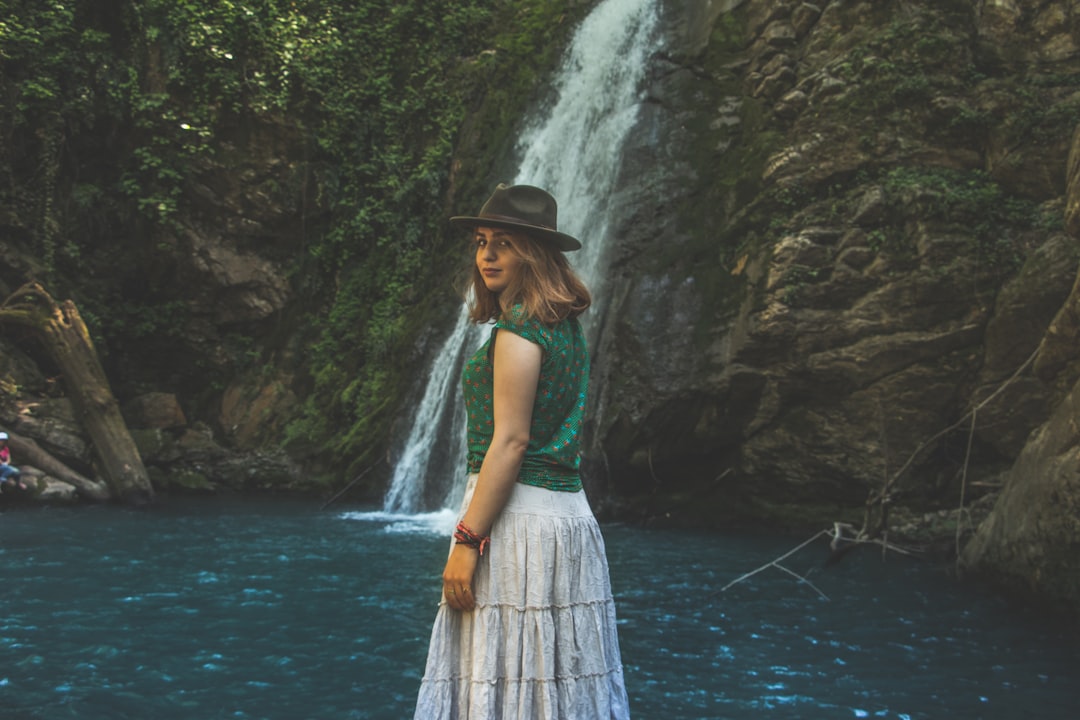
(28, 452)
(843, 538)
(64, 336)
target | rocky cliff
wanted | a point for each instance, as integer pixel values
(831, 291)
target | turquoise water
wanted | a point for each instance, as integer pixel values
(274, 609)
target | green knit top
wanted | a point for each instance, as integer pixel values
(552, 458)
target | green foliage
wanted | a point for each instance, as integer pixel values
(146, 93)
(919, 68)
(504, 78)
(728, 38)
(114, 111)
(952, 194)
(146, 321)
(795, 280)
(40, 51)
(971, 201)
(880, 240)
(388, 89)
(896, 70)
(1040, 117)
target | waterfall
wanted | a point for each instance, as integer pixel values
(573, 150)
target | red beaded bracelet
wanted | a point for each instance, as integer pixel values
(464, 536)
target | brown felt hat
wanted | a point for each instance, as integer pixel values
(521, 207)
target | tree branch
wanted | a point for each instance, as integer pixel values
(776, 564)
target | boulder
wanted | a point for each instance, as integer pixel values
(155, 446)
(50, 490)
(1030, 543)
(248, 286)
(157, 411)
(51, 422)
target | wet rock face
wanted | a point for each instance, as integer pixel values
(1028, 543)
(248, 287)
(860, 226)
(849, 235)
(247, 224)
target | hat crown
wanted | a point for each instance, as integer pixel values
(522, 208)
(522, 203)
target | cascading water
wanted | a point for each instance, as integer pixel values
(573, 150)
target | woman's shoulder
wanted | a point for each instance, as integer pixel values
(517, 318)
(519, 321)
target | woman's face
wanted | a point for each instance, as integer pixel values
(496, 259)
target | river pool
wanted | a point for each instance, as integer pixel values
(255, 608)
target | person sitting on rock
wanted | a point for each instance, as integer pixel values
(10, 477)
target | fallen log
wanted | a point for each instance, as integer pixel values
(64, 336)
(27, 452)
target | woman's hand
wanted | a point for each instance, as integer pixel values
(458, 577)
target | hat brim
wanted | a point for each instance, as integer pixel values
(562, 241)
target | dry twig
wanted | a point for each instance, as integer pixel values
(776, 564)
(837, 537)
(882, 498)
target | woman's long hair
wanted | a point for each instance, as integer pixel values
(546, 287)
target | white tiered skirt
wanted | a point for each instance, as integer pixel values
(542, 642)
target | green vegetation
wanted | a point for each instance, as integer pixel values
(900, 66)
(1034, 119)
(113, 113)
(974, 203)
(392, 138)
(796, 278)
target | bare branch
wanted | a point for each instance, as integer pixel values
(803, 579)
(937, 436)
(862, 539)
(776, 563)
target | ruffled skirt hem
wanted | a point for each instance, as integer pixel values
(542, 642)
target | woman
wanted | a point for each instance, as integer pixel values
(526, 626)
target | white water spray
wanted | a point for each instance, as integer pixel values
(573, 150)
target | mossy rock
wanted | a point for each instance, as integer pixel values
(188, 480)
(152, 443)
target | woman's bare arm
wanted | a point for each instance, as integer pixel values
(517, 372)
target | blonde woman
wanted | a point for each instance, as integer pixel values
(526, 625)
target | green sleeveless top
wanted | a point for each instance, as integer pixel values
(552, 458)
